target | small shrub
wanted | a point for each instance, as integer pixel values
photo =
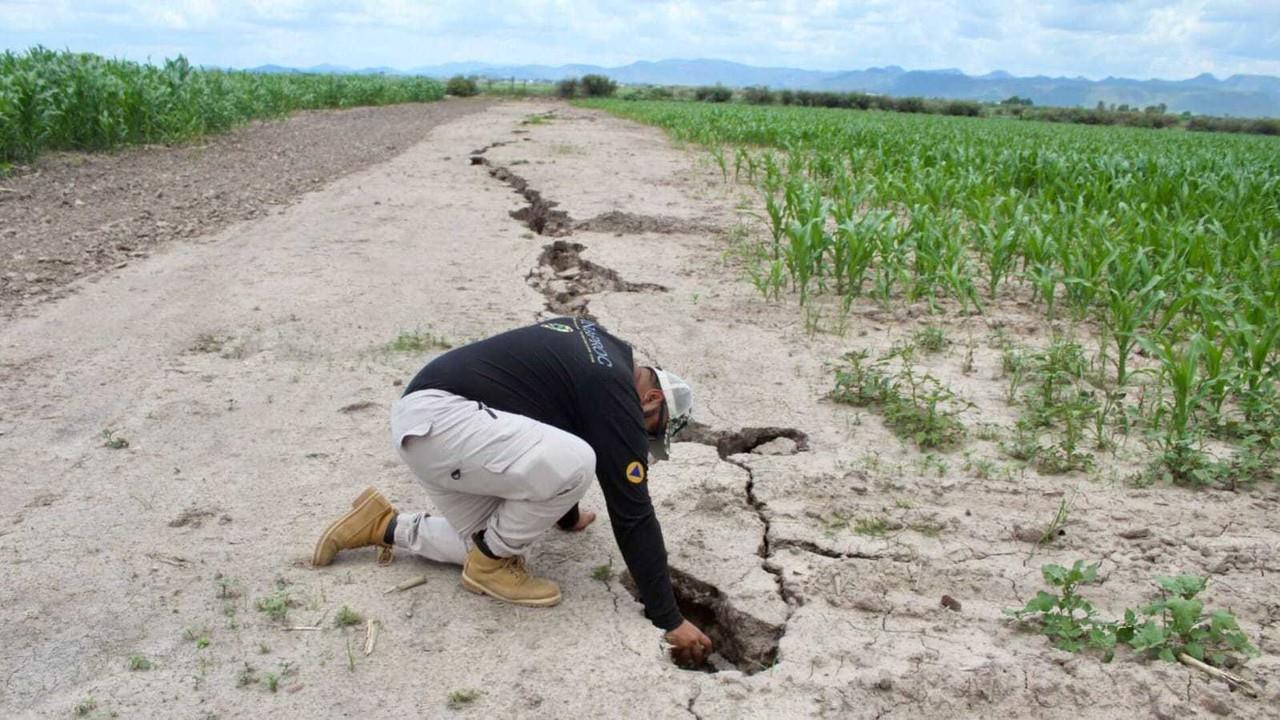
(758, 95)
(713, 93)
(567, 88)
(462, 86)
(597, 85)
(139, 662)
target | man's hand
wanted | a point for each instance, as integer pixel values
(689, 645)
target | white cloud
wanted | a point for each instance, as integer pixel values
(1095, 38)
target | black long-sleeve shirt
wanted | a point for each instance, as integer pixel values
(572, 374)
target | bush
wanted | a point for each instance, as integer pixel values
(567, 88)
(963, 108)
(597, 86)
(758, 95)
(713, 93)
(460, 86)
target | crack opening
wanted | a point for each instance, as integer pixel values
(742, 642)
(562, 274)
(761, 440)
(566, 279)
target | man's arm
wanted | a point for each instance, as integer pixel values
(615, 431)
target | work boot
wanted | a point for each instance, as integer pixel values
(362, 526)
(507, 579)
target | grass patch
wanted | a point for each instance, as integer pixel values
(276, 605)
(139, 663)
(459, 699)
(416, 342)
(347, 617)
(603, 573)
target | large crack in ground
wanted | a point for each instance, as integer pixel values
(563, 276)
(742, 641)
(566, 279)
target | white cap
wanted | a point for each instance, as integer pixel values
(678, 397)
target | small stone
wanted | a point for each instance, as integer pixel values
(951, 603)
(884, 683)
(1135, 533)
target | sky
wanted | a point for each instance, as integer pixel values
(1144, 39)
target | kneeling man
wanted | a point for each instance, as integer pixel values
(506, 434)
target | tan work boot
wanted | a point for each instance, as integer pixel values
(507, 579)
(362, 526)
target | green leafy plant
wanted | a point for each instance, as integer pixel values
(1176, 624)
(139, 662)
(930, 339)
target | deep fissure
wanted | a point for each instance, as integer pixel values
(742, 642)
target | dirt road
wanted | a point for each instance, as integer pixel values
(176, 434)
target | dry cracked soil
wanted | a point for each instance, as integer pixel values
(177, 431)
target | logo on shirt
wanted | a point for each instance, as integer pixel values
(635, 472)
(558, 327)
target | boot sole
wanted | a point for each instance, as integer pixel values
(479, 589)
(365, 498)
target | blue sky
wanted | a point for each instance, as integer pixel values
(1094, 38)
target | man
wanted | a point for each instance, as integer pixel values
(506, 434)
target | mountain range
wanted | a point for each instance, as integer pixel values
(1238, 95)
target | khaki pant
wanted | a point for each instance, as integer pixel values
(484, 469)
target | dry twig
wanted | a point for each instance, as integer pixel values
(370, 636)
(1234, 681)
(411, 583)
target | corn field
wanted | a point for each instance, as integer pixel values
(76, 101)
(1168, 243)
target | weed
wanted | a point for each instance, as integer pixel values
(247, 676)
(459, 699)
(1171, 626)
(276, 605)
(139, 662)
(113, 441)
(1055, 526)
(273, 681)
(417, 342)
(263, 648)
(226, 588)
(914, 406)
(86, 706)
(211, 343)
(875, 526)
(603, 573)
(347, 617)
(930, 339)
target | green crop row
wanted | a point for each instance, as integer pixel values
(77, 101)
(1168, 243)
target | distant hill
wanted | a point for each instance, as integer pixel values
(1238, 95)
